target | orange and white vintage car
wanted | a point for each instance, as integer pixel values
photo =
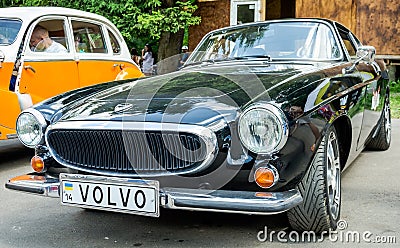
(95, 52)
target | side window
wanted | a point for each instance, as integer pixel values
(49, 36)
(9, 29)
(88, 37)
(346, 37)
(356, 40)
(116, 48)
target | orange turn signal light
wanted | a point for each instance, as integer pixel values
(37, 164)
(264, 177)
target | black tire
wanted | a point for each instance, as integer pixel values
(381, 141)
(320, 189)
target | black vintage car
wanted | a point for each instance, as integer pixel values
(262, 119)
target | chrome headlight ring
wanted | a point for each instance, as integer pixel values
(31, 126)
(263, 128)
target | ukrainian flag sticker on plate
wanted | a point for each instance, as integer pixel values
(68, 186)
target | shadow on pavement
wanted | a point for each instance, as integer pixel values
(13, 150)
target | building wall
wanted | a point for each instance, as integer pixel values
(343, 11)
(276, 9)
(378, 25)
(214, 14)
(375, 22)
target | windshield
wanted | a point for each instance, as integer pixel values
(9, 30)
(287, 40)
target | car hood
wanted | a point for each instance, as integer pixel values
(197, 96)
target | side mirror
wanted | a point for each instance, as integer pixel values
(366, 54)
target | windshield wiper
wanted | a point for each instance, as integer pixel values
(212, 61)
(254, 56)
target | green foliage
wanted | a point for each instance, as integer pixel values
(395, 105)
(139, 21)
(186, 37)
(170, 19)
(395, 99)
(395, 86)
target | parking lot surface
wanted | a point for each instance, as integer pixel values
(370, 214)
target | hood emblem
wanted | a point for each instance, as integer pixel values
(122, 107)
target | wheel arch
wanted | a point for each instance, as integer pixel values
(344, 132)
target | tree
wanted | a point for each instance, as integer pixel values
(167, 23)
(139, 21)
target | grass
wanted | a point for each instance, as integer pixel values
(395, 99)
(395, 105)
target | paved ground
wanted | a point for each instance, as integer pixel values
(371, 204)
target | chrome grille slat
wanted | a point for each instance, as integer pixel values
(164, 151)
(171, 161)
(190, 147)
(182, 149)
(127, 152)
(129, 141)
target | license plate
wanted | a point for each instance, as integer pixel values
(131, 196)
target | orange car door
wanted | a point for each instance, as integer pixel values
(98, 53)
(43, 73)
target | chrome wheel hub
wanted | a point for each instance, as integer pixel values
(333, 175)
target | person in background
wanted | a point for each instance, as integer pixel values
(148, 60)
(41, 42)
(79, 46)
(184, 55)
(135, 56)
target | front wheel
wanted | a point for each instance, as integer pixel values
(320, 189)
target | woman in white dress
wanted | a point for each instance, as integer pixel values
(148, 60)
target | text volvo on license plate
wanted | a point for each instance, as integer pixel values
(132, 196)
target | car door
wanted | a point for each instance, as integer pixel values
(10, 31)
(46, 74)
(371, 92)
(374, 96)
(97, 52)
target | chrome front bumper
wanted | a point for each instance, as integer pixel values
(190, 199)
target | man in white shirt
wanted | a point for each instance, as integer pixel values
(41, 42)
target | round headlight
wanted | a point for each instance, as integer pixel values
(263, 128)
(30, 127)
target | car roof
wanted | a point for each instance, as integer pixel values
(31, 13)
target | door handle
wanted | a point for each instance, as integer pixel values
(121, 66)
(28, 67)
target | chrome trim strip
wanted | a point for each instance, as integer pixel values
(36, 184)
(11, 136)
(51, 58)
(245, 202)
(330, 25)
(208, 136)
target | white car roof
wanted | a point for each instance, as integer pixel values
(31, 13)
